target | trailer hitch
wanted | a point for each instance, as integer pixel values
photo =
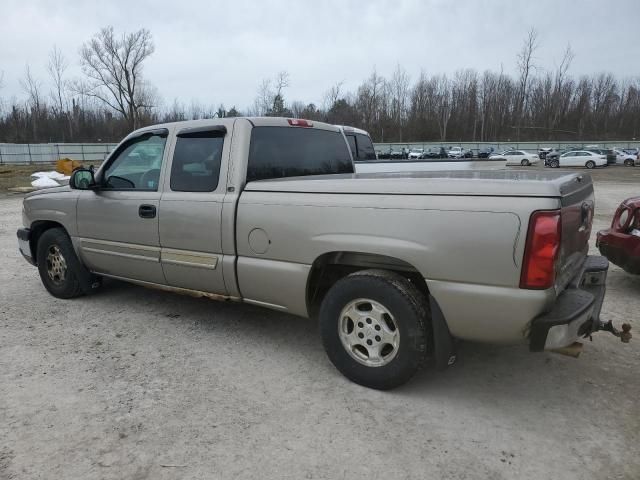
(624, 334)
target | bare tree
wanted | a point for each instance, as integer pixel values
(332, 95)
(1, 87)
(443, 103)
(282, 82)
(399, 98)
(56, 68)
(113, 66)
(264, 99)
(31, 86)
(525, 69)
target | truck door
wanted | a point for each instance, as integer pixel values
(118, 222)
(191, 210)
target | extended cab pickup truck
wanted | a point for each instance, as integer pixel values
(268, 211)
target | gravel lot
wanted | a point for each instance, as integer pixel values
(134, 383)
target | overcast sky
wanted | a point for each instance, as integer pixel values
(218, 52)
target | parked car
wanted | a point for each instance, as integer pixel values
(468, 153)
(456, 152)
(430, 154)
(542, 152)
(610, 154)
(415, 153)
(360, 144)
(621, 242)
(553, 155)
(268, 211)
(624, 158)
(579, 158)
(397, 154)
(434, 153)
(517, 157)
(485, 152)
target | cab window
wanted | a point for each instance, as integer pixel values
(351, 139)
(365, 147)
(136, 166)
(279, 152)
(196, 162)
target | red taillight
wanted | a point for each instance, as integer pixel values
(296, 122)
(541, 250)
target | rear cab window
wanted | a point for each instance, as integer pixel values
(196, 160)
(365, 147)
(351, 140)
(279, 152)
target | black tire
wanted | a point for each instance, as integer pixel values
(628, 162)
(72, 283)
(590, 164)
(410, 311)
(555, 163)
(524, 163)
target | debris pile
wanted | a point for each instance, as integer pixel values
(49, 179)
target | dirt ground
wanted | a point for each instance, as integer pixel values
(19, 175)
(139, 384)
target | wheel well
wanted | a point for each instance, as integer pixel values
(37, 229)
(330, 267)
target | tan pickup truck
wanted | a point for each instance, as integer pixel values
(268, 211)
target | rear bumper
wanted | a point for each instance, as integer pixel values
(24, 244)
(576, 311)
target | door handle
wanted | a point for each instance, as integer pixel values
(147, 211)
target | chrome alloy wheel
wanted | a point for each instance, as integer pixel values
(56, 265)
(369, 332)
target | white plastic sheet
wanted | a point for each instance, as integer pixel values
(52, 174)
(44, 182)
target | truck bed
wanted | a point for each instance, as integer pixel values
(495, 183)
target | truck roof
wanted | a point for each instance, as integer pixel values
(348, 129)
(228, 121)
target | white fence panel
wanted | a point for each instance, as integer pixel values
(28, 153)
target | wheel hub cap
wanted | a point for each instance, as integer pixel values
(369, 332)
(56, 265)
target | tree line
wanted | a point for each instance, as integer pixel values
(113, 97)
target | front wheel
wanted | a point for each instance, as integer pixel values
(524, 163)
(628, 162)
(554, 163)
(590, 164)
(59, 267)
(375, 328)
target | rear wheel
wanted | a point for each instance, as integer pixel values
(524, 163)
(554, 163)
(375, 328)
(590, 164)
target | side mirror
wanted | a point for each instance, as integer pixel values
(82, 179)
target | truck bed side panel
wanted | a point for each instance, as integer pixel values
(454, 241)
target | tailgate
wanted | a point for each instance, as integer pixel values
(576, 214)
